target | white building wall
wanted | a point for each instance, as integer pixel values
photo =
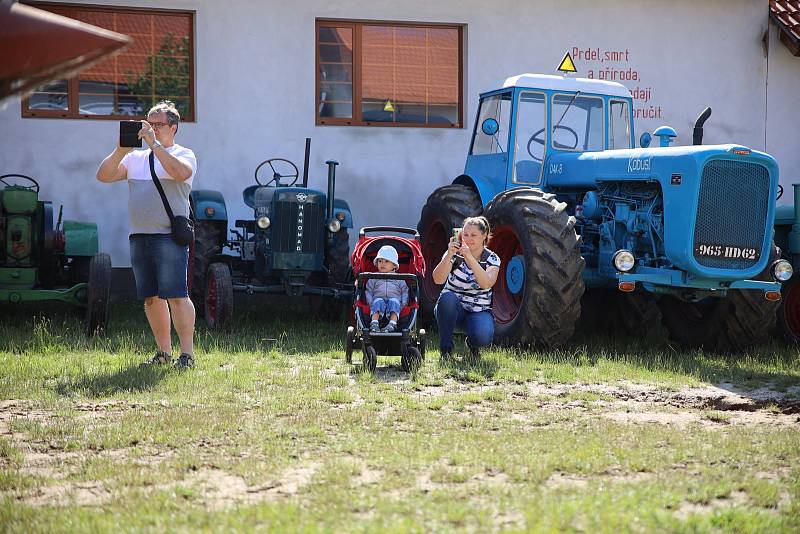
(783, 112)
(254, 91)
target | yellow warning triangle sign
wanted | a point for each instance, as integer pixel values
(388, 106)
(567, 65)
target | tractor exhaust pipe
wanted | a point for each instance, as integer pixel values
(331, 187)
(697, 138)
(305, 162)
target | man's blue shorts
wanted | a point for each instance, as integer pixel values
(159, 266)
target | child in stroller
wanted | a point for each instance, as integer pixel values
(403, 338)
(386, 297)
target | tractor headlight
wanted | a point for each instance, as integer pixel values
(624, 260)
(782, 270)
(263, 222)
(334, 225)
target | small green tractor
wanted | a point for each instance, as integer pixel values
(42, 261)
(295, 244)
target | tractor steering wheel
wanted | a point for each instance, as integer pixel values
(34, 187)
(540, 140)
(276, 176)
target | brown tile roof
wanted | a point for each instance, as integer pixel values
(786, 14)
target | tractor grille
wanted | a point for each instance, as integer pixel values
(292, 231)
(732, 210)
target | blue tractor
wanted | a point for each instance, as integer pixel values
(296, 243)
(665, 241)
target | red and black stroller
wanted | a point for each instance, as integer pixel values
(406, 342)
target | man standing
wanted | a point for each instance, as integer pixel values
(159, 264)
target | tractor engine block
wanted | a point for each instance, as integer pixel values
(622, 215)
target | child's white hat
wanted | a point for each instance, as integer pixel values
(388, 253)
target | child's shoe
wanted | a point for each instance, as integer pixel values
(373, 326)
(391, 327)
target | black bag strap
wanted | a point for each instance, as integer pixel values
(158, 186)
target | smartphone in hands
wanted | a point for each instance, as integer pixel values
(129, 134)
(457, 259)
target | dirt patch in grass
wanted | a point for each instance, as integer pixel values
(86, 493)
(773, 406)
(736, 498)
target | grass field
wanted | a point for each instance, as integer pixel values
(284, 436)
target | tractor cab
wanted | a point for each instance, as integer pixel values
(534, 116)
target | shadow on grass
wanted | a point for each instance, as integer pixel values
(776, 364)
(131, 379)
(389, 374)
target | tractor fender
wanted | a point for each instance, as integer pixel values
(341, 206)
(208, 205)
(80, 238)
(485, 187)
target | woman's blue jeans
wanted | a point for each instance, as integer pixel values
(479, 326)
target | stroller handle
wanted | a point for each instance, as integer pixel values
(395, 229)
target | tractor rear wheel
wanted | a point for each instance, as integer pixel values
(337, 260)
(98, 294)
(789, 310)
(445, 209)
(537, 297)
(208, 239)
(218, 297)
(337, 257)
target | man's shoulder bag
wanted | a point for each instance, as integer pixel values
(182, 227)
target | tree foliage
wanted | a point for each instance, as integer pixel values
(165, 77)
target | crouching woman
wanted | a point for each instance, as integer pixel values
(468, 271)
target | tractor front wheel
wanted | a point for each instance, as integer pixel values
(218, 297)
(537, 296)
(741, 319)
(789, 310)
(98, 294)
(445, 209)
(639, 315)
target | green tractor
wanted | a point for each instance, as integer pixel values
(41, 261)
(295, 244)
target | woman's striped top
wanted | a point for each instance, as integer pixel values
(461, 281)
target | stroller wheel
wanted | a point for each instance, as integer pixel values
(414, 360)
(370, 358)
(350, 341)
(421, 342)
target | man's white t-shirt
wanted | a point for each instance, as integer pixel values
(145, 208)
